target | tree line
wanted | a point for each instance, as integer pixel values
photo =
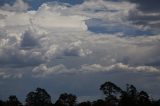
(114, 96)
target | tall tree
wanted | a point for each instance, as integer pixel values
(38, 98)
(110, 89)
(99, 102)
(66, 99)
(129, 97)
(2, 103)
(87, 103)
(131, 90)
(143, 99)
(13, 101)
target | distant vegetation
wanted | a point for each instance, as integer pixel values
(114, 96)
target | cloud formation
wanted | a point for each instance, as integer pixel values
(146, 14)
(18, 6)
(58, 42)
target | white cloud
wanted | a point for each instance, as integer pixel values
(107, 10)
(118, 67)
(5, 74)
(49, 17)
(75, 49)
(43, 70)
(45, 18)
(18, 6)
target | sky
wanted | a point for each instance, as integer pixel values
(76, 45)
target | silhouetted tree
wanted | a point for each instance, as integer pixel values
(128, 97)
(99, 102)
(110, 89)
(131, 90)
(66, 100)
(127, 100)
(87, 103)
(156, 102)
(38, 98)
(2, 103)
(13, 101)
(143, 99)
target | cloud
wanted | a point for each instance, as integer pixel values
(55, 43)
(146, 14)
(75, 49)
(45, 18)
(44, 70)
(50, 37)
(147, 6)
(28, 41)
(119, 67)
(111, 17)
(18, 6)
(5, 73)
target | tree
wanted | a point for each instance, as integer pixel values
(143, 99)
(129, 97)
(127, 100)
(156, 102)
(38, 98)
(13, 101)
(110, 89)
(131, 90)
(87, 103)
(66, 99)
(99, 102)
(2, 103)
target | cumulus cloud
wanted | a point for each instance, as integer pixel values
(28, 41)
(106, 16)
(45, 18)
(75, 49)
(18, 6)
(47, 37)
(43, 70)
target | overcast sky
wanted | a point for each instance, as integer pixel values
(76, 45)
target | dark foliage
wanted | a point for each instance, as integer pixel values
(13, 101)
(38, 98)
(66, 100)
(88, 103)
(99, 102)
(2, 103)
(110, 89)
(114, 96)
